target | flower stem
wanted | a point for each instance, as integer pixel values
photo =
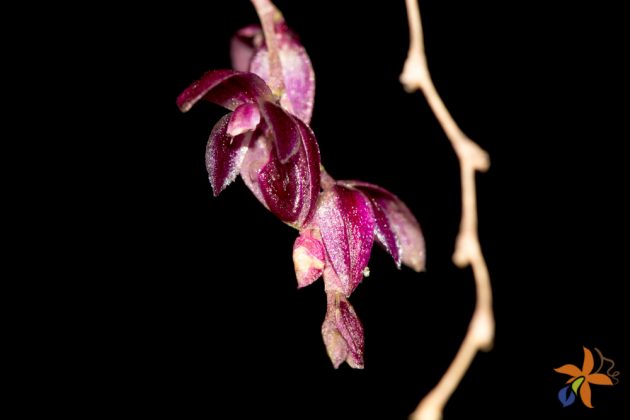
(472, 158)
(268, 15)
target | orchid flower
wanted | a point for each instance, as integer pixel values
(273, 149)
(266, 139)
(337, 244)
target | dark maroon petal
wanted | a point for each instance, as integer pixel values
(280, 186)
(401, 222)
(227, 88)
(346, 223)
(290, 189)
(308, 258)
(352, 331)
(243, 45)
(224, 155)
(343, 332)
(283, 129)
(244, 118)
(310, 172)
(298, 76)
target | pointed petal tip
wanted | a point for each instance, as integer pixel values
(183, 107)
(355, 364)
(599, 379)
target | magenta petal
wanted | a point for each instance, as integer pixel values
(308, 258)
(224, 155)
(243, 45)
(298, 76)
(227, 88)
(385, 234)
(342, 332)
(283, 130)
(290, 189)
(402, 223)
(244, 118)
(346, 223)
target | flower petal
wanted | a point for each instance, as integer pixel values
(244, 118)
(310, 164)
(575, 385)
(585, 394)
(280, 187)
(352, 331)
(308, 258)
(570, 370)
(336, 346)
(290, 189)
(298, 76)
(227, 88)
(224, 155)
(255, 159)
(342, 332)
(346, 223)
(588, 364)
(283, 130)
(243, 46)
(400, 221)
(297, 72)
(566, 396)
(599, 379)
(332, 283)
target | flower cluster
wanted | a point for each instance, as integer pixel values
(266, 140)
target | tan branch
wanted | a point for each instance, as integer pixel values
(480, 334)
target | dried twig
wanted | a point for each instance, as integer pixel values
(472, 158)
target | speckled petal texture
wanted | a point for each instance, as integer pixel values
(346, 223)
(343, 333)
(224, 155)
(401, 221)
(227, 88)
(290, 189)
(297, 71)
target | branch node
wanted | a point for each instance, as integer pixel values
(472, 157)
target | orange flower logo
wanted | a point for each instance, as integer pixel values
(582, 379)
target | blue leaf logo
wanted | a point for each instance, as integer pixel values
(566, 396)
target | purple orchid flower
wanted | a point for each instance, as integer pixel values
(267, 141)
(337, 244)
(263, 139)
(249, 53)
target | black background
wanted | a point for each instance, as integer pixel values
(204, 317)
